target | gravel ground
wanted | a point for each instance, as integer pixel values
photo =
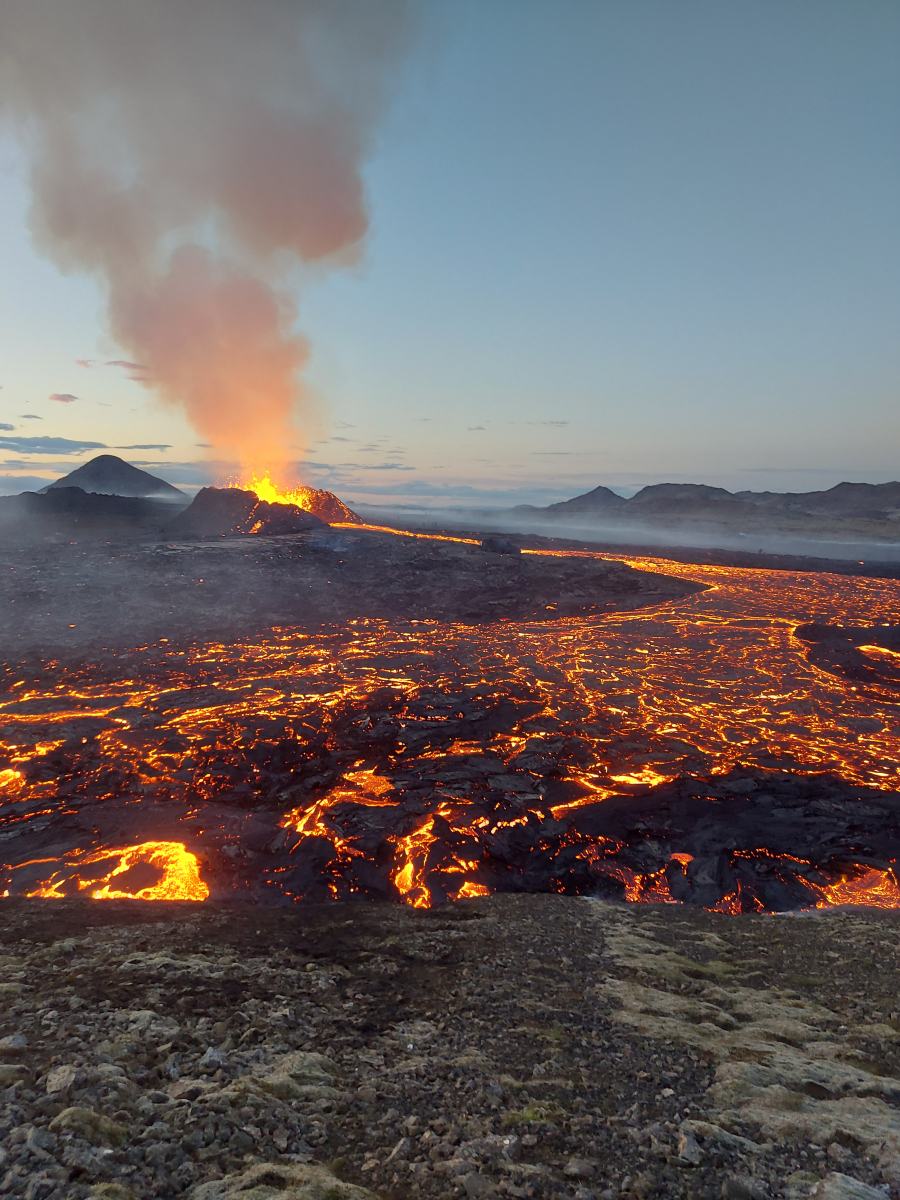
(543, 1047)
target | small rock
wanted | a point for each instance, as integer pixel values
(578, 1168)
(689, 1150)
(111, 1191)
(843, 1187)
(743, 1187)
(189, 1089)
(477, 1185)
(60, 1079)
(368, 1094)
(211, 1060)
(90, 1126)
(401, 1150)
(13, 1044)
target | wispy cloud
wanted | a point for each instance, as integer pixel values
(84, 362)
(473, 428)
(7, 426)
(47, 445)
(376, 466)
(128, 366)
(30, 417)
(63, 397)
(149, 446)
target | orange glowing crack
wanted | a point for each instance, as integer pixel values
(180, 880)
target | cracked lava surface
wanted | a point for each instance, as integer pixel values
(694, 751)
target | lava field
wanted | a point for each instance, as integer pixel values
(733, 747)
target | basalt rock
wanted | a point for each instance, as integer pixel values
(846, 651)
(230, 512)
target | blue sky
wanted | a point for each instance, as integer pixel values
(612, 242)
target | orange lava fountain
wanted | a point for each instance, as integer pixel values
(266, 489)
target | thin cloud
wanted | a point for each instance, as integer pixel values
(10, 427)
(63, 397)
(30, 417)
(128, 366)
(48, 445)
(472, 428)
(148, 446)
(376, 466)
(84, 362)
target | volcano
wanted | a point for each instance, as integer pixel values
(110, 475)
(230, 512)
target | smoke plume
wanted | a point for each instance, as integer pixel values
(192, 154)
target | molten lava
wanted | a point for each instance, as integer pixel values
(149, 871)
(421, 761)
(322, 504)
(267, 490)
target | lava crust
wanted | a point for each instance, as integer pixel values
(124, 595)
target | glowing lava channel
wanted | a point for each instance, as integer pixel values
(177, 867)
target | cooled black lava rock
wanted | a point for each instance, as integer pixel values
(841, 650)
(499, 545)
(230, 512)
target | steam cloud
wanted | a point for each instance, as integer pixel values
(191, 156)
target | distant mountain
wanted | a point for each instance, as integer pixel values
(601, 499)
(871, 501)
(849, 509)
(110, 475)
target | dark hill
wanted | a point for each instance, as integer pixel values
(70, 512)
(677, 498)
(109, 475)
(849, 510)
(872, 501)
(601, 499)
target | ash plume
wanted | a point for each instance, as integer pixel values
(192, 157)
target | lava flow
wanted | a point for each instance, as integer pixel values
(698, 753)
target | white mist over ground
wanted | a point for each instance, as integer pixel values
(492, 520)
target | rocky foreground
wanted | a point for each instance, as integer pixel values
(532, 1047)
